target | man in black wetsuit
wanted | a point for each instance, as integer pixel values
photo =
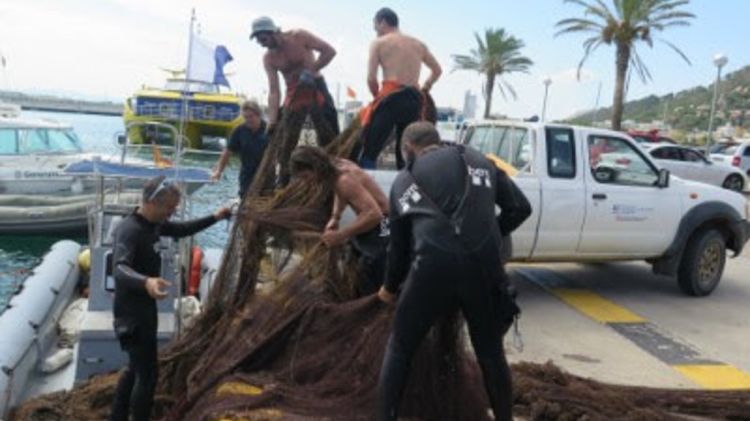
(137, 267)
(445, 244)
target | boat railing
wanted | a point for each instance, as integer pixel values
(122, 141)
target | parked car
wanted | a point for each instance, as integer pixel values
(651, 136)
(737, 155)
(692, 165)
(588, 206)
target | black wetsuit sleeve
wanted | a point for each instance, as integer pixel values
(124, 256)
(514, 205)
(184, 229)
(399, 250)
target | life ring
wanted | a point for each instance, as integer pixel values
(194, 281)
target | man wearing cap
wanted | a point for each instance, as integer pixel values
(138, 284)
(249, 140)
(292, 54)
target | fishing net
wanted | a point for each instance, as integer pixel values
(284, 335)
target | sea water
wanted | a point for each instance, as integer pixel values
(20, 254)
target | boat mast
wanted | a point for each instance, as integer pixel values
(184, 96)
(182, 246)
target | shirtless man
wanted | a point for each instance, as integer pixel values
(292, 54)
(368, 234)
(398, 101)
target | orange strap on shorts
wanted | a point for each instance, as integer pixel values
(388, 87)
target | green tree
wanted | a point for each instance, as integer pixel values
(625, 24)
(498, 54)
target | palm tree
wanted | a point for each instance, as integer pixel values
(624, 25)
(498, 54)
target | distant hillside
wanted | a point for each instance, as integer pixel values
(688, 110)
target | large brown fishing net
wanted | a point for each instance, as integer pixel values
(285, 337)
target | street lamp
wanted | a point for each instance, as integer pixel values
(546, 82)
(720, 60)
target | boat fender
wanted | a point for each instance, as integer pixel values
(194, 281)
(58, 360)
(69, 326)
(189, 309)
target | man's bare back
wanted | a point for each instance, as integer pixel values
(358, 177)
(401, 57)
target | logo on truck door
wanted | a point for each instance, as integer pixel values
(631, 213)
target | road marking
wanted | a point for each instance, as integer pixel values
(595, 306)
(718, 377)
(682, 357)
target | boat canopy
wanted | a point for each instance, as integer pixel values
(25, 138)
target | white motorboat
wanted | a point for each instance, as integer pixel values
(35, 152)
(47, 181)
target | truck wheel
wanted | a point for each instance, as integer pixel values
(703, 263)
(734, 182)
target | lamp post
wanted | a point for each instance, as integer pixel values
(720, 60)
(547, 81)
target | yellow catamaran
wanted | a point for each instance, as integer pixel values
(210, 112)
(192, 100)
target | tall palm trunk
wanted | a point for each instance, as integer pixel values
(488, 89)
(621, 68)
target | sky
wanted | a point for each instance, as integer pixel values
(107, 49)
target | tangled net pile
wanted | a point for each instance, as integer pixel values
(303, 346)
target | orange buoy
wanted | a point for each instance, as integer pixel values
(194, 280)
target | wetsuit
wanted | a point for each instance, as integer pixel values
(395, 110)
(250, 145)
(136, 257)
(445, 249)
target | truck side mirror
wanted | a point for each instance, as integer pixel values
(121, 139)
(663, 181)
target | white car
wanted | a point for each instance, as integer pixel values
(736, 155)
(690, 164)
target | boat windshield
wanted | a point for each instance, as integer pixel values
(192, 86)
(26, 141)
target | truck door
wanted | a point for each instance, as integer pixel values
(626, 213)
(562, 195)
(511, 148)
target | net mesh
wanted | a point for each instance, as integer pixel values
(285, 337)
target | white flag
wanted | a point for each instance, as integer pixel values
(207, 62)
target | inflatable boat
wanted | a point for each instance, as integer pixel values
(29, 326)
(34, 214)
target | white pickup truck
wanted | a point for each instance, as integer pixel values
(596, 196)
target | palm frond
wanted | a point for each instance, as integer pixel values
(635, 60)
(504, 85)
(677, 50)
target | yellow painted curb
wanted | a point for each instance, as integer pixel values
(716, 377)
(596, 307)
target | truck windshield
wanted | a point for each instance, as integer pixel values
(510, 144)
